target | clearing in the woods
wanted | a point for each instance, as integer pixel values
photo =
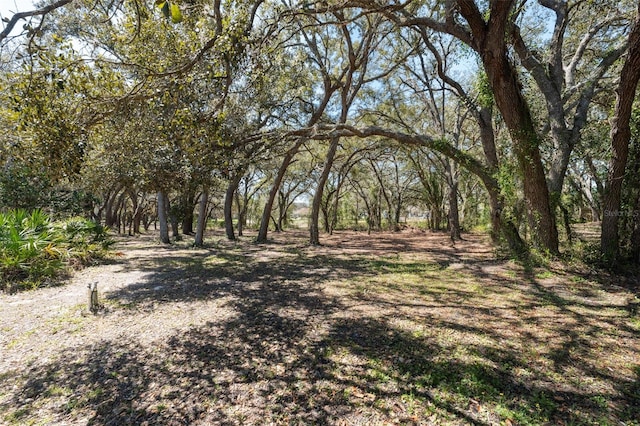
(391, 328)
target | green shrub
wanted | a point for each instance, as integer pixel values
(33, 249)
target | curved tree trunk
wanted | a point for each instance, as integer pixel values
(620, 136)
(266, 212)
(526, 146)
(314, 231)
(490, 42)
(112, 207)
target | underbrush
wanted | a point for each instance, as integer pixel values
(34, 250)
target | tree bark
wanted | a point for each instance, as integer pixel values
(502, 227)
(454, 214)
(454, 211)
(228, 205)
(620, 136)
(266, 212)
(508, 95)
(283, 209)
(173, 211)
(111, 216)
(202, 217)
(241, 213)
(187, 202)
(314, 231)
(162, 217)
(137, 211)
(118, 216)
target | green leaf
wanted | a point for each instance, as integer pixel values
(176, 15)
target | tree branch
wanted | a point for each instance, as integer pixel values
(37, 12)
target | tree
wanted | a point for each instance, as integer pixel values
(312, 102)
(148, 105)
(584, 46)
(395, 181)
(359, 38)
(40, 12)
(620, 136)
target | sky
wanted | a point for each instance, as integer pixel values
(9, 7)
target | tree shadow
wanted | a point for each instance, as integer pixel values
(260, 367)
(289, 352)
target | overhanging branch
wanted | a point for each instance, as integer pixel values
(37, 12)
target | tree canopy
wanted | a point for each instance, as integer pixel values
(514, 114)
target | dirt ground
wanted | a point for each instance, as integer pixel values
(389, 328)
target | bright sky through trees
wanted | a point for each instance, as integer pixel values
(9, 7)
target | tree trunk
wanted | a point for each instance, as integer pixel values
(119, 217)
(326, 222)
(266, 213)
(582, 184)
(620, 136)
(110, 215)
(454, 211)
(378, 209)
(396, 213)
(536, 193)
(137, 212)
(283, 200)
(202, 217)
(501, 228)
(314, 232)
(187, 203)
(489, 40)
(228, 205)
(526, 146)
(239, 210)
(335, 205)
(566, 219)
(187, 221)
(162, 217)
(277, 224)
(175, 229)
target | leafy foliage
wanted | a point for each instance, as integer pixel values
(24, 188)
(33, 248)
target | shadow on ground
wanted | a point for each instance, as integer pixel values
(293, 353)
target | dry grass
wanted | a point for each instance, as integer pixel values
(384, 329)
